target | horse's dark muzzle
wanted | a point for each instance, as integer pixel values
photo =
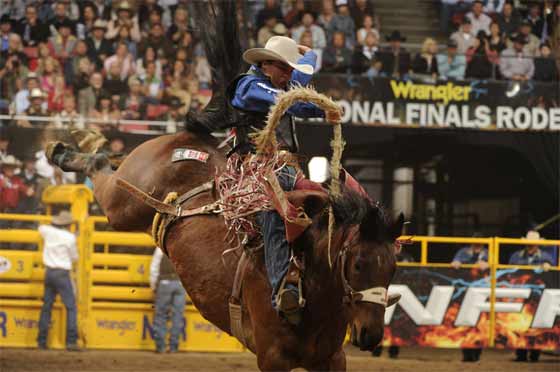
(367, 341)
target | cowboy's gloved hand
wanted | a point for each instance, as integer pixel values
(333, 116)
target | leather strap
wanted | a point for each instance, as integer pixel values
(194, 192)
(146, 199)
(235, 305)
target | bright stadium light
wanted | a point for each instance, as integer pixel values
(318, 168)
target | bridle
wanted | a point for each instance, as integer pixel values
(374, 295)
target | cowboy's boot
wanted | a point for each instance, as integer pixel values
(288, 305)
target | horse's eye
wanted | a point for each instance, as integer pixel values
(357, 266)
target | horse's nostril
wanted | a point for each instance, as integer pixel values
(354, 336)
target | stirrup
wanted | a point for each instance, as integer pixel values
(288, 306)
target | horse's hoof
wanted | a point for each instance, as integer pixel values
(90, 141)
(55, 148)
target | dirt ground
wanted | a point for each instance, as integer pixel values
(410, 359)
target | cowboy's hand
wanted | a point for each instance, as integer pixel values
(333, 116)
(546, 266)
(455, 264)
(482, 265)
(302, 49)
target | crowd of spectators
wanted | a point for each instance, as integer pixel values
(114, 60)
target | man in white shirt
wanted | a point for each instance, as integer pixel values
(308, 24)
(464, 37)
(21, 99)
(479, 20)
(170, 296)
(59, 252)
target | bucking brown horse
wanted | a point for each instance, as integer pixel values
(362, 254)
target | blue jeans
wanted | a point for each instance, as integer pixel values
(276, 247)
(169, 294)
(58, 281)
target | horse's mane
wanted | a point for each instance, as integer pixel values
(351, 208)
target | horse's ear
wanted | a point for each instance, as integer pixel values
(396, 227)
(370, 225)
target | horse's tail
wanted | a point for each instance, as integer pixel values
(216, 22)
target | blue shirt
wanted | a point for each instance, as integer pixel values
(521, 257)
(255, 92)
(466, 255)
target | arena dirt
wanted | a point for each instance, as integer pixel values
(411, 359)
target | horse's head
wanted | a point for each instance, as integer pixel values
(363, 260)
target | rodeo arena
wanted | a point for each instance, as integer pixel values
(278, 185)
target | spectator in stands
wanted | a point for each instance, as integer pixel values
(14, 9)
(508, 19)
(124, 37)
(68, 112)
(169, 298)
(63, 42)
(365, 57)
(13, 68)
(480, 21)
(362, 9)
(146, 10)
(104, 113)
(203, 72)
(175, 114)
(59, 253)
(337, 57)
(481, 59)
(338, 22)
(492, 7)
(464, 36)
(149, 56)
(472, 254)
(79, 67)
(5, 32)
(134, 105)
(45, 11)
(49, 80)
(270, 28)
(271, 9)
(395, 59)
(535, 20)
(31, 29)
(496, 39)
(99, 48)
(71, 9)
(553, 22)
(21, 99)
(367, 26)
(12, 188)
(514, 63)
(36, 108)
(154, 17)
(125, 18)
(306, 39)
(531, 255)
(122, 58)
(157, 40)
(180, 25)
(87, 98)
(532, 44)
(114, 84)
(308, 24)
(545, 66)
(84, 29)
(60, 18)
(295, 13)
(29, 202)
(152, 84)
(449, 8)
(425, 62)
(451, 65)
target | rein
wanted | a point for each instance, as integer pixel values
(375, 295)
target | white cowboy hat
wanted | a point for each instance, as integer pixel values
(36, 93)
(124, 5)
(63, 218)
(278, 48)
(532, 235)
(10, 160)
(99, 23)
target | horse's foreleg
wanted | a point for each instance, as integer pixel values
(337, 362)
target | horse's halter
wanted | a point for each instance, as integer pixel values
(375, 295)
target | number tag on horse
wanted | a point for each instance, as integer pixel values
(188, 154)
